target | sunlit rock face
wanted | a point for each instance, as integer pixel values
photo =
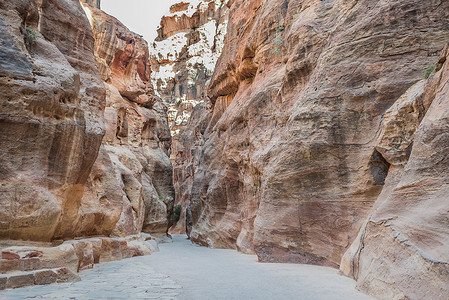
(131, 182)
(51, 117)
(184, 54)
(311, 126)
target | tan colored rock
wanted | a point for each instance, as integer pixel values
(186, 154)
(45, 277)
(291, 164)
(51, 117)
(85, 253)
(132, 177)
(401, 251)
(18, 281)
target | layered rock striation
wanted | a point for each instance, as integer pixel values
(51, 117)
(66, 175)
(184, 54)
(401, 250)
(311, 136)
(133, 168)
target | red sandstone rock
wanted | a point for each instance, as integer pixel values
(51, 116)
(131, 180)
(9, 255)
(296, 155)
(405, 239)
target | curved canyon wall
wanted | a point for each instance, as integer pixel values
(310, 136)
(137, 139)
(58, 179)
(51, 117)
(183, 56)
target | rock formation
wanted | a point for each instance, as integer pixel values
(311, 132)
(184, 54)
(404, 243)
(133, 167)
(59, 178)
(51, 117)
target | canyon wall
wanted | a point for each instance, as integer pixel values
(183, 56)
(58, 180)
(309, 137)
(51, 117)
(133, 168)
(85, 142)
(401, 251)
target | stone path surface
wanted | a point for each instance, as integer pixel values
(185, 271)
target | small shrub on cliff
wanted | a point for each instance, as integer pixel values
(177, 103)
(176, 213)
(278, 41)
(30, 36)
(429, 71)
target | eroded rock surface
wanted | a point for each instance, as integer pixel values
(184, 54)
(306, 132)
(404, 241)
(51, 117)
(133, 169)
(59, 178)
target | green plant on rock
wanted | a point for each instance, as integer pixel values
(278, 41)
(429, 71)
(177, 103)
(176, 213)
(30, 37)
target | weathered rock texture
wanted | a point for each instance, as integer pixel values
(183, 56)
(27, 263)
(59, 178)
(306, 132)
(133, 170)
(51, 117)
(402, 249)
(52, 126)
(186, 152)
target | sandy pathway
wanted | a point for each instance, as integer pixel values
(185, 271)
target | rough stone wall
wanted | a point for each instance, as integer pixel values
(51, 117)
(404, 241)
(299, 144)
(183, 56)
(133, 168)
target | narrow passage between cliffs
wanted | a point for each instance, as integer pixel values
(182, 270)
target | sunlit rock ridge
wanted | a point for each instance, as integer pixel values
(184, 54)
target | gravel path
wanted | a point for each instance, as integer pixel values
(185, 271)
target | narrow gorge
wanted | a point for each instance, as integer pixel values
(296, 131)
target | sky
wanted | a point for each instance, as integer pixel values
(141, 16)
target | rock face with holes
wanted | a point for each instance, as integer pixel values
(404, 241)
(184, 54)
(51, 117)
(306, 132)
(133, 168)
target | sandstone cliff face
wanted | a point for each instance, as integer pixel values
(305, 135)
(183, 56)
(186, 152)
(51, 118)
(402, 249)
(133, 169)
(58, 179)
